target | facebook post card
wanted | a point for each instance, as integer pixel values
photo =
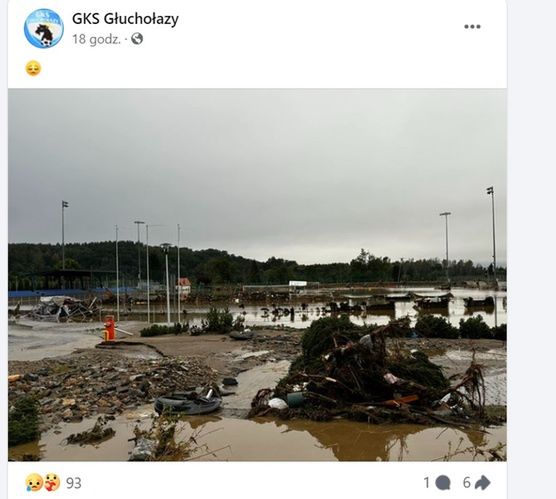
(256, 248)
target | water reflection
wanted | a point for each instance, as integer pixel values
(301, 317)
(265, 439)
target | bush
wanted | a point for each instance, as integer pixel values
(219, 321)
(23, 421)
(474, 328)
(400, 328)
(500, 332)
(158, 330)
(430, 326)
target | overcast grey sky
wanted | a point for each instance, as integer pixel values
(310, 175)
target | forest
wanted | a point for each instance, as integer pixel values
(213, 266)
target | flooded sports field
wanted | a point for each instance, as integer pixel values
(228, 436)
(77, 382)
(279, 315)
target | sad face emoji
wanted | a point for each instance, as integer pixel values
(33, 482)
(51, 482)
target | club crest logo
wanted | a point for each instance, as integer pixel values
(44, 28)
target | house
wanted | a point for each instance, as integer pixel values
(183, 287)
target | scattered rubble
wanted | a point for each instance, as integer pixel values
(94, 382)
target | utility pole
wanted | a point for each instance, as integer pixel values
(179, 283)
(166, 248)
(445, 215)
(65, 204)
(117, 279)
(138, 223)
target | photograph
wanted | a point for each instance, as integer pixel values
(257, 274)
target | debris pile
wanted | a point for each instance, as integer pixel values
(165, 441)
(98, 433)
(348, 370)
(99, 383)
(65, 309)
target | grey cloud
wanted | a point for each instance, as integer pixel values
(310, 175)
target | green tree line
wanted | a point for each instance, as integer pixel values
(212, 266)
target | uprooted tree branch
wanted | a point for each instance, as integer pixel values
(348, 370)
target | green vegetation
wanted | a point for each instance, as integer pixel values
(23, 421)
(475, 328)
(219, 321)
(430, 326)
(159, 330)
(212, 267)
(500, 332)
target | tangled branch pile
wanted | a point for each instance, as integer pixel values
(347, 370)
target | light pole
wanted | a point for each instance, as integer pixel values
(117, 279)
(138, 223)
(166, 248)
(400, 270)
(490, 192)
(65, 204)
(445, 215)
(148, 272)
(148, 278)
(179, 283)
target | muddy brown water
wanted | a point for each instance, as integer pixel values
(255, 315)
(227, 436)
(261, 439)
(233, 438)
(33, 340)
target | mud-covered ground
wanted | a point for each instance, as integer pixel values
(92, 381)
(121, 381)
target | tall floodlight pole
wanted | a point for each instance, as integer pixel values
(138, 223)
(446, 214)
(148, 271)
(148, 278)
(179, 283)
(166, 248)
(117, 279)
(490, 192)
(65, 204)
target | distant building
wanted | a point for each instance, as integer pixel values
(183, 288)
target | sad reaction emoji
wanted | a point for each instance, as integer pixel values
(33, 482)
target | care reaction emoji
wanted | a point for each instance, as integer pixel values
(34, 482)
(51, 482)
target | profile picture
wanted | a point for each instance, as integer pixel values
(44, 28)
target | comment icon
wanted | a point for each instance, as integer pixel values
(442, 482)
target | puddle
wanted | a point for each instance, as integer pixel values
(272, 440)
(251, 381)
